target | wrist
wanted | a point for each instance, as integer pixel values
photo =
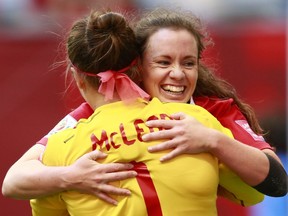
(66, 179)
(216, 142)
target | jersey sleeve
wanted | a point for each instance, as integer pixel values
(230, 116)
(236, 190)
(84, 111)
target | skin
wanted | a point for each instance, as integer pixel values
(85, 175)
(166, 73)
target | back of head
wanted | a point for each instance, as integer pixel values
(100, 42)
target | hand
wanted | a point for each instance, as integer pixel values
(184, 135)
(91, 177)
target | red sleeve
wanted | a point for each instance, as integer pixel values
(229, 115)
(84, 111)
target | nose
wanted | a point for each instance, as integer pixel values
(177, 73)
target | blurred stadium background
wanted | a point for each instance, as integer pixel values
(250, 52)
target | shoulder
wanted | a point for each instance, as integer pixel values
(215, 105)
(84, 111)
(231, 117)
(225, 110)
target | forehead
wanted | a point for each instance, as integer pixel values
(172, 42)
(167, 40)
(171, 33)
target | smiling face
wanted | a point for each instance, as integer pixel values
(170, 65)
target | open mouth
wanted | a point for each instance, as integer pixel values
(173, 89)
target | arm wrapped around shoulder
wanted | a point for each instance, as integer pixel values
(275, 184)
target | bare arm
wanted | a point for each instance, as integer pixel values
(187, 135)
(28, 178)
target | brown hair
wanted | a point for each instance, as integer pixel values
(100, 42)
(208, 83)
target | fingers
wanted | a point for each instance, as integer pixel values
(116, 167)
(158, 135)
(161, 147)
(165, 146)
(106, 189)
(112, 190)
(106, 198)
(171, 155)
(94, 155)
(117, 176)
(109, 189)
(178, 116)
(166, 124)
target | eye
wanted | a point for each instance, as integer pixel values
(189, 64)
(163, 63)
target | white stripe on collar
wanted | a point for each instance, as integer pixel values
(192, 101)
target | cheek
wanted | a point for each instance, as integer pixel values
(150, 75)
(150, 81)
(193, 77)
(192, 82)
(146, 80)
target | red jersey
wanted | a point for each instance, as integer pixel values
(225, 110)
(230, 116)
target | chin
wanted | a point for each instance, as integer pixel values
(173, 100)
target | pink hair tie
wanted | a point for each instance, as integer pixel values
(119, 81)
(125, 87)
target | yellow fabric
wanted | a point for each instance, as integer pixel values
(186, 185)
(236, 190)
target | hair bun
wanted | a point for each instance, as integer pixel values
(102, 41)
(110, 22)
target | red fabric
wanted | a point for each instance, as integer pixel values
(148, 189)
(83, 111)
(228, 114)
(125, 87)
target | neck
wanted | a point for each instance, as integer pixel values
(96, 99)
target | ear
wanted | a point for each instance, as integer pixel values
(78, 79)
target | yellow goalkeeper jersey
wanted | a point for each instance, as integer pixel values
(186, 185)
